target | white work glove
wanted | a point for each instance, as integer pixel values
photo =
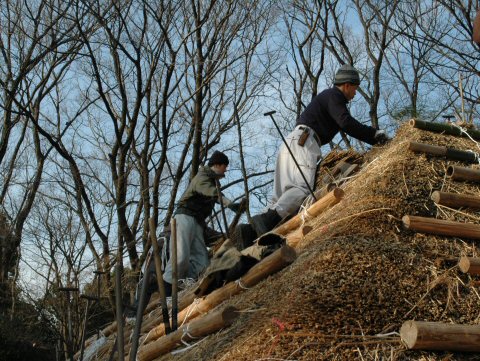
(381, 137)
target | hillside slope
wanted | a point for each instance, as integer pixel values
(359, 273)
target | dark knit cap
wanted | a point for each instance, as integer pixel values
(347, 74)
(217, 158)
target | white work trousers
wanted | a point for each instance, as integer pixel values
(192, 254)
(289, 188)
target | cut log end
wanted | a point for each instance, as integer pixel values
(338, 193)
(464, 264)
(306, 230)
(288, 254)
(229, 314)
(409, 333)
(412, 122)
(435, 196)
(450, 171)
(406, 221)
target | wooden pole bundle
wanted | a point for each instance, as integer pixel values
(449, 129)
(329, 200)
(469, 265)
(463, 174)
(441, 151)
(268, 266)
(204, 326)
(455, 200)
(441, 227)
(418, 335)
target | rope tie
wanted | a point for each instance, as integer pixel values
(190, 309)
(304, 215)
(394, 333)
(187, 333)
(242, 286)
(463, 131)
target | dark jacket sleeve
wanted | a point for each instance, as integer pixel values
(340, 113)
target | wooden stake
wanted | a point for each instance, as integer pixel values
(441, 227)
(463, 174)
(329, 200)
(450, 153)
(206, 325)
(268, 266)
(469, 265)
(455, 200)
(444, 128)
(418, 335)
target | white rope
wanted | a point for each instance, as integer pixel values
(463, 131)
(304, 215)
(190, 309)
(394, 333)
(241, 285)
(188, 346)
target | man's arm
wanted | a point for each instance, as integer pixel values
(339, 112)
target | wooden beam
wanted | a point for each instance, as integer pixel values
(455, 200)
(444, 128)
(463, 174)
(329, 200)
(469, 265)
(441, 227)
(204, 326)
(418, 335)
(268, 266)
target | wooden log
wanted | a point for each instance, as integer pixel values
(204, 326)
(450, 153)
(418, 335)
(449, 129)
(441, 227)
(463, 174)
(294, 238)
(268, 266)
(455, 200)
(329, 200)
(469, 265)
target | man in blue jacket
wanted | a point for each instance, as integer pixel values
(322, 119)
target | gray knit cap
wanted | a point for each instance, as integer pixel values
(347, 74)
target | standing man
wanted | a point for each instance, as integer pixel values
(194, 207)
(321, 120)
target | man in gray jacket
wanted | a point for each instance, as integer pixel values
(195, 205)
(322, 119)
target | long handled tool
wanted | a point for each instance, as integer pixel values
(291, 153)
(174, 275)
(220, 199)
(159, 273)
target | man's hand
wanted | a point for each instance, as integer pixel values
(381, 137)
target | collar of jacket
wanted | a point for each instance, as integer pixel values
(209, 172)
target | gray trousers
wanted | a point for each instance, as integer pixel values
(192, 254)
(289, 188)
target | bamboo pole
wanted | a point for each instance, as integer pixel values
(469, 265)
(463, 174)
(450, 153)
(204, 326)
(441, 227)
(268, 266)
(455, 200)
(444, 128)
(329, 200)
(418, 335)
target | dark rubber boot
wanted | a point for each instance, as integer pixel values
(265, 222)
(243, 236)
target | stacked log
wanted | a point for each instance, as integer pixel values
(449, 129)
(418, 335)
(458, 173)
(469, 265)
(449, 153)
(441, 227)
(204, 326)
(455, 200)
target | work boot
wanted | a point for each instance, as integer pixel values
(243, 236)
(265, 222)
